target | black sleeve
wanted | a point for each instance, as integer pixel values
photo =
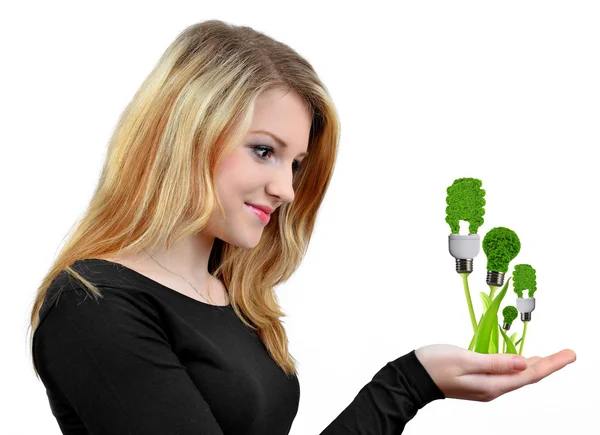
(110, 360)
(386, 404)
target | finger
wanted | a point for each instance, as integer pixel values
(494, 363)
(548, 365)
(533, 360)
(535, 372)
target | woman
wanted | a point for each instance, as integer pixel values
(159, 315)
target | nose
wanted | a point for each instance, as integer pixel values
(281, 185)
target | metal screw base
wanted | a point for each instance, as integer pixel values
(495, 278)
(506, 326)
(464, 265)
(525, 317)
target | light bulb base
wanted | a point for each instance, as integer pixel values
(525, 307)
(506, 326)
(464, 246)
(464, 265)
(495, 279)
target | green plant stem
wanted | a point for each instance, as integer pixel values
(465, 277)
(523, 338)
(487, 331)
(492, 291)
(491, 295)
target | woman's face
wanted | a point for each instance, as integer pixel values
(260, 171)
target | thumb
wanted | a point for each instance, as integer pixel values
(496, 363)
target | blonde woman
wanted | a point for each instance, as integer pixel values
(159, 316)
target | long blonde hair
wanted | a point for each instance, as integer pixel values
(157, 183)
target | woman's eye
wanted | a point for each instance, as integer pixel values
(259, 149)
(296, 166)
(266, 149)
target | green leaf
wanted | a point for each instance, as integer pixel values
(485, 300)
(489, 322)
(494, 342)
(472, 344)
(517, 343)
(510, 346)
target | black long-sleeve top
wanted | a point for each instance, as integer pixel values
(146, 359)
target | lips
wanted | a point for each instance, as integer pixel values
(264, 217)
(265, 209)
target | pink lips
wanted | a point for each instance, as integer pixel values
(265, 218)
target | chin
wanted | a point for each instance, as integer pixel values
(244, 243)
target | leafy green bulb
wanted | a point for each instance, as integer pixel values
(510, 313)
(465, 202)
(524, 279)
(501, 245)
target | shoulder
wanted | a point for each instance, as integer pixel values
(69, 300)
(74, 318)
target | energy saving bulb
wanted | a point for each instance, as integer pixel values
(465, 202)
(524, 279)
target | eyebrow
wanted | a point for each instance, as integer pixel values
(277, 139)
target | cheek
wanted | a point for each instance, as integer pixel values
(228, 164)
(230, 175)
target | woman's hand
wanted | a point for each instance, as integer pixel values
(462, 374)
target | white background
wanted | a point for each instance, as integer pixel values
(508, 92)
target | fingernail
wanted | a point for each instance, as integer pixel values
(519, 363)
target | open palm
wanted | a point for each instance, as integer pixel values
(462, 374)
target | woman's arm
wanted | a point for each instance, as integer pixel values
(386, 404)
(438, 371)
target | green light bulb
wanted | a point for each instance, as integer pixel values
(510, 313)
(465, 202)
(501, 245)
(524, 279)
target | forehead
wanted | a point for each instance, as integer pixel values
(284, 114)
